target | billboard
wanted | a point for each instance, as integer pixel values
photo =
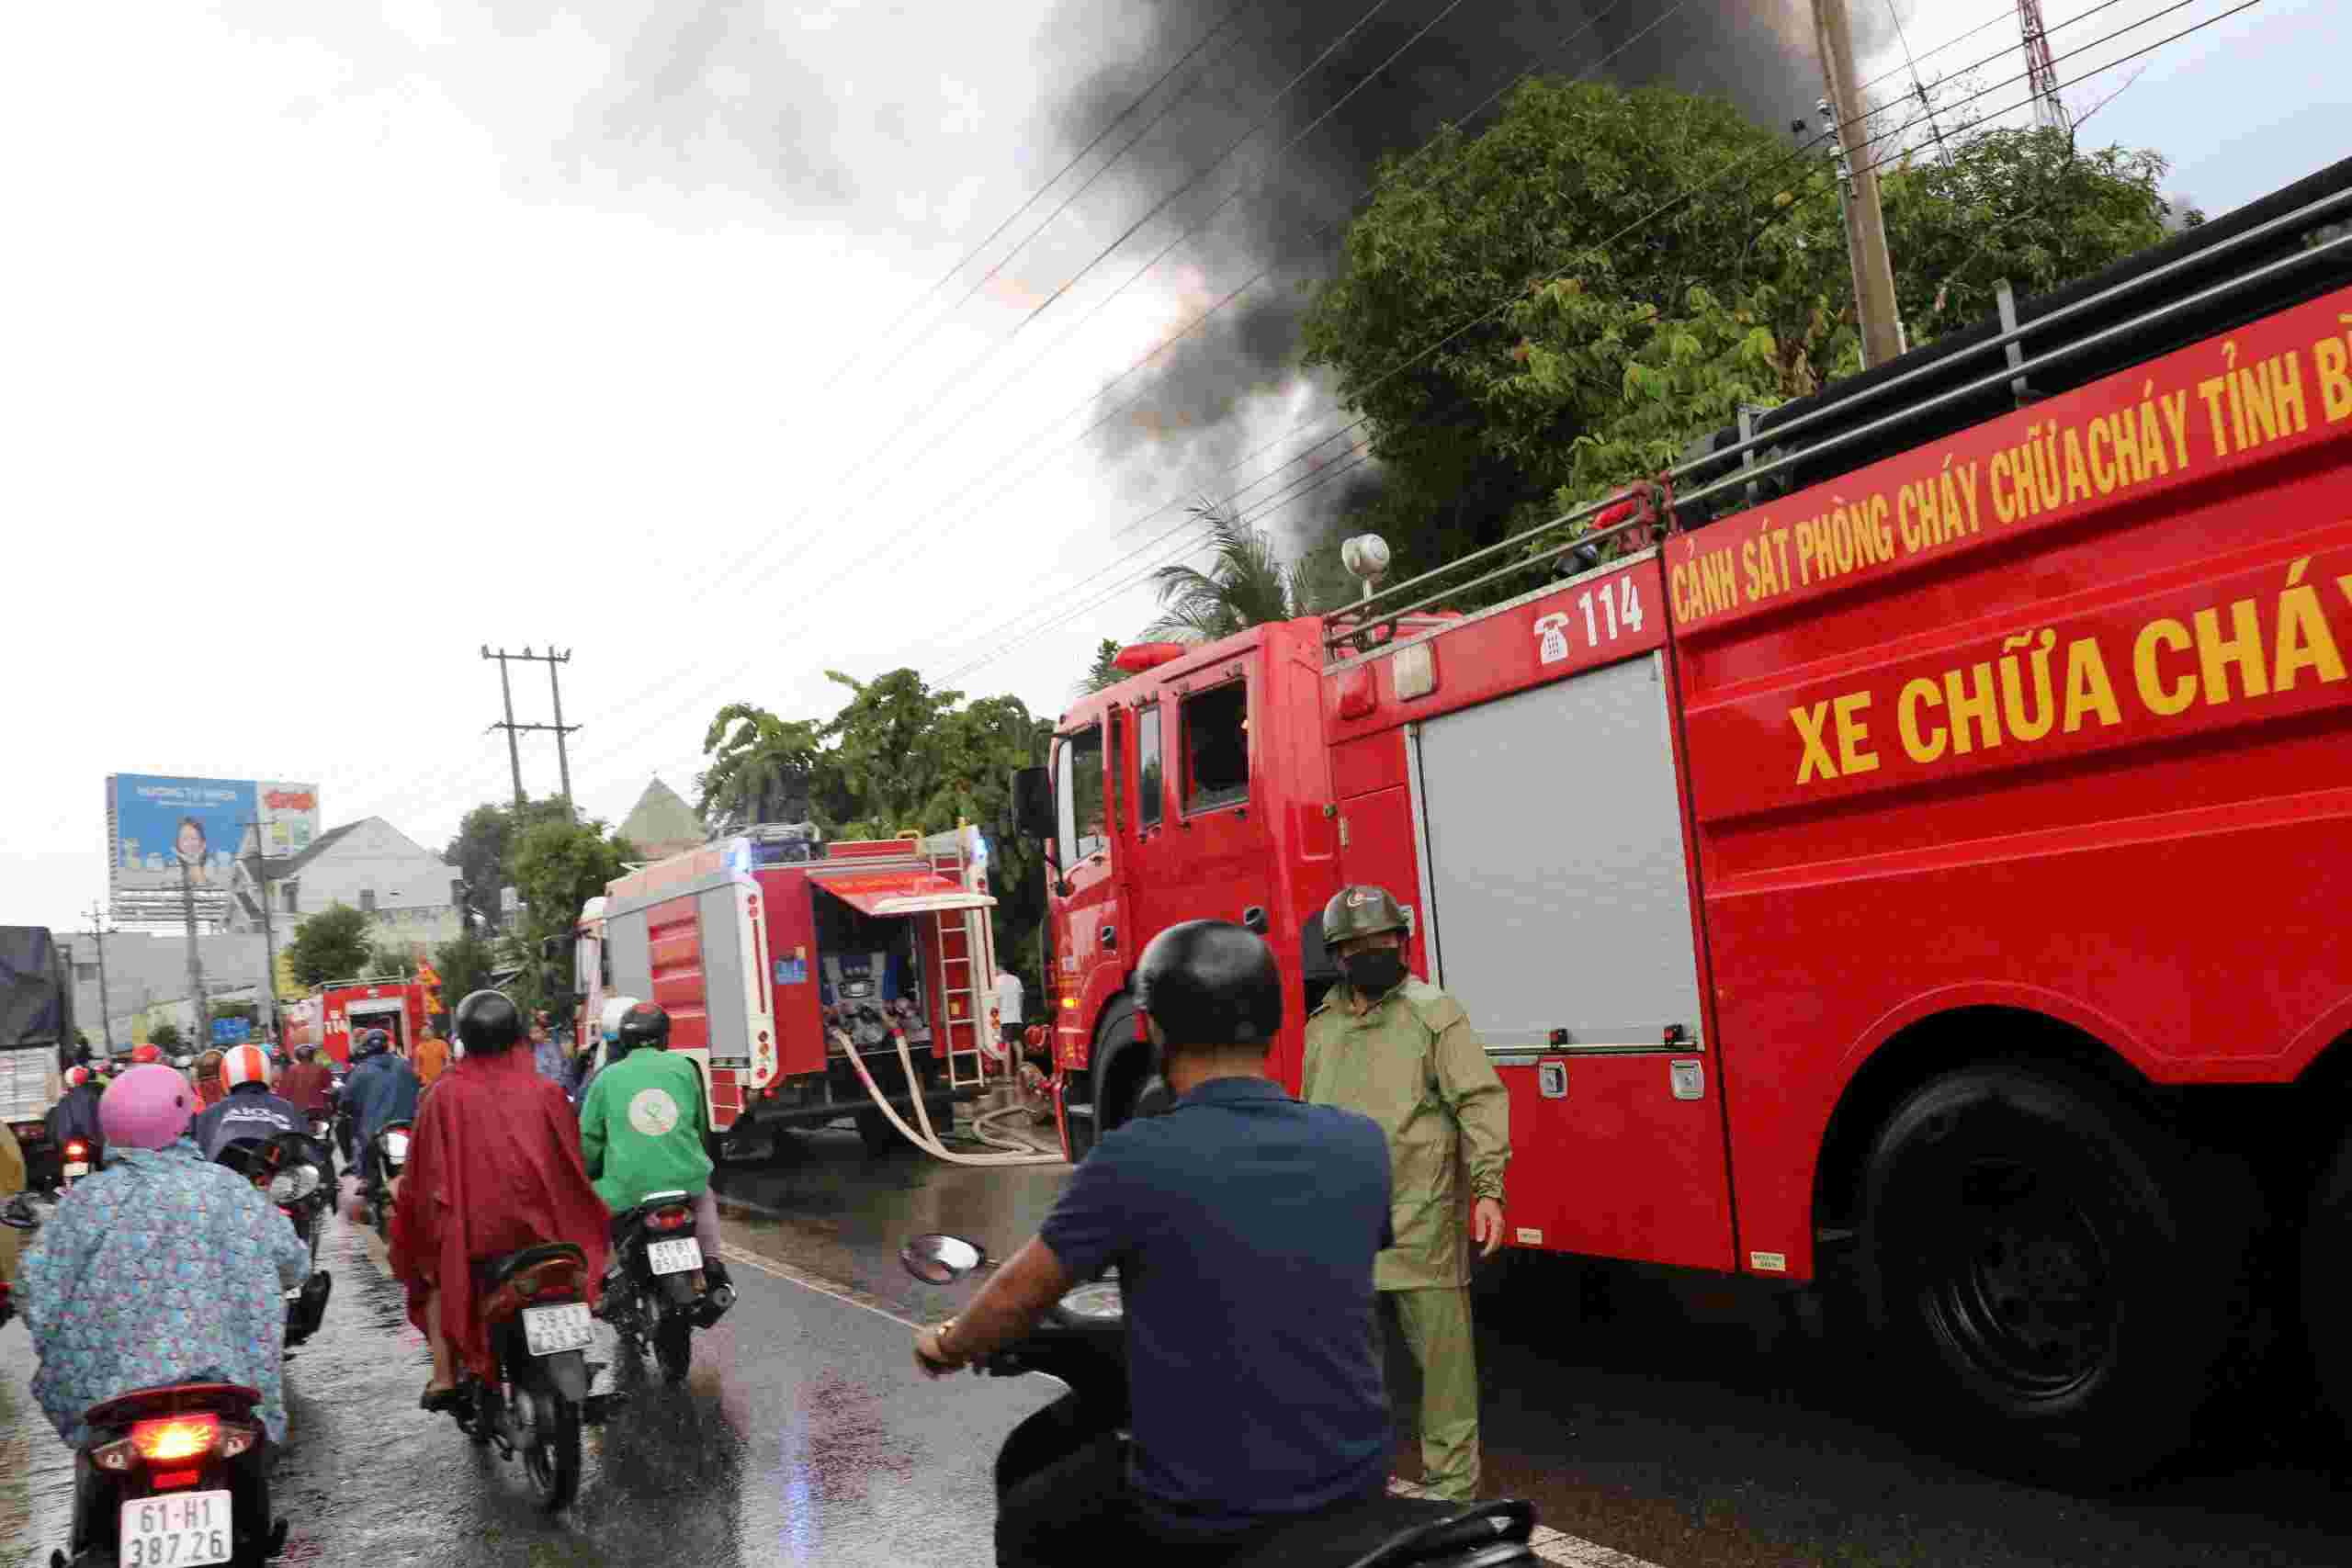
(155, 825)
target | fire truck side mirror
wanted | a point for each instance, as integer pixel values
(1033, 803)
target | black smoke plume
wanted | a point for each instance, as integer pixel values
(1209, 401)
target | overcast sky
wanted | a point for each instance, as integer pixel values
(346, 339)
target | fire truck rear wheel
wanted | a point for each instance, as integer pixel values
(2327, 1285)
(2039, 1264)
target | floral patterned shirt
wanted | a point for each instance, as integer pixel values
(159, 1269)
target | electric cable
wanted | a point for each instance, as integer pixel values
(1671, 203)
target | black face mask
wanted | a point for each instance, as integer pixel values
(1375, 973)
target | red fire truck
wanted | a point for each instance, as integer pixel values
(778, 954)
(1909, 863)
(335, 1013)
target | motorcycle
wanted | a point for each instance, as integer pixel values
(536, 1315)
(1081, 1343)
(74, 1162)
(392, 1158)
(656, 1293)
(160, 1481)
(291, 1172)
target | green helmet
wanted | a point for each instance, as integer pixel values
(1360, 910)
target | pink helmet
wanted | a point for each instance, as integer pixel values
(146, 1108)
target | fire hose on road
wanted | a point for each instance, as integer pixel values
(928, 1140)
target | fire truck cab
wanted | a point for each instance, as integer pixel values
(1898, 850)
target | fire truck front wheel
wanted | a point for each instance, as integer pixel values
(2039, 1262)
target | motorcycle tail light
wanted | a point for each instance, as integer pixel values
(671, 1219)
(180, 1436)
(170, 1478)
(76, 1149)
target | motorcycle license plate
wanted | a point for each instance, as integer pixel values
(76, 1169)
(546, 1330)
(179, 1529)
(673, 1256)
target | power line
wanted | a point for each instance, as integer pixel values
(833, 381)
(1895, 132)
(1671, 203)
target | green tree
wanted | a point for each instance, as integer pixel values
(763, 768)
(1632, 320)
(485, 839)
(1102, 673)
(164, 1037)
(465, 964)
(332, 944)
(901, 756)
(556, 867)
(394, 958)
(1247, 585)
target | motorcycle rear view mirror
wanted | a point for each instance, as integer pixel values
(938, 1259)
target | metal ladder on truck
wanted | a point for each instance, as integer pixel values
(966, 942)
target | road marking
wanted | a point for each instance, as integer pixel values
(1551, 1545)
(817, 1283)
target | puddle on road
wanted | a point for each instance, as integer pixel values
(829, 1207)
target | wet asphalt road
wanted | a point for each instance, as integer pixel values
(803, 1436)
(1685, 1423)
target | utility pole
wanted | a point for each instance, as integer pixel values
(1865, 223)
(2041, 71)
(106, 1011)
(555, 688)
(268, 934)
(514, 756)
(194, 958)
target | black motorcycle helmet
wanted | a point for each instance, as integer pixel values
(370, 1043)
(488, 1023)
(1210, 983)
(647, 1026)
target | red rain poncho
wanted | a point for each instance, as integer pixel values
(494, 1167)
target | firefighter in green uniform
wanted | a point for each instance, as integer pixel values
(1390, 1045)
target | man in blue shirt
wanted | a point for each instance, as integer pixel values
(1244, 1225)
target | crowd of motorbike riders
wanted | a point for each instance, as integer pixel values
(171, 1261)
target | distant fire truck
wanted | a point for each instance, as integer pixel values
(778, 954)
(1907, 852)
(336, 1013)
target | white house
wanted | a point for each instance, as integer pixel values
(369, 865)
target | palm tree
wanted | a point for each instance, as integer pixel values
(1102, 673)
(1246, 585)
